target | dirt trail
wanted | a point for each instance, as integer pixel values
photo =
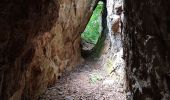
(102, 79)
(89, 81)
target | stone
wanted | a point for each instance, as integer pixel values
(121, 90)
(116, 24)
(60, 92)
(145, 55)
(68, 98)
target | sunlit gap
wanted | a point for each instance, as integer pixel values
(93, 29)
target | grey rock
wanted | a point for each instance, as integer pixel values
(60, 93)
(68, 98)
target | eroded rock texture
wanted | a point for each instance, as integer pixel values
(39, 39)
(147, 48)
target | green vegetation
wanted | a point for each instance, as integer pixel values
(94, 27)
(95, 77)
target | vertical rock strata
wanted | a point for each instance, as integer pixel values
(39, 39)
(147, 48)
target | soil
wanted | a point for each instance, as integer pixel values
(89, 81)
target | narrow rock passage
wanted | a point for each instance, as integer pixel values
(90, 81)
(96, 79)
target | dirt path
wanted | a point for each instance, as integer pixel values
(90, 81)
(102, 79)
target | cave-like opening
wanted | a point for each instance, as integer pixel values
(40, 50)
(93, 29)
(93, 37)
(102, 74)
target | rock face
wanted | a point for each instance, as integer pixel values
(39, 39)
(147, 49)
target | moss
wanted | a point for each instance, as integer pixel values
(94, 27)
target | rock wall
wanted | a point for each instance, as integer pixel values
(146, 47)
(39, 39)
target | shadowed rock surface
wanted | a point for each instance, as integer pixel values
(146, 48)
(39, 39)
